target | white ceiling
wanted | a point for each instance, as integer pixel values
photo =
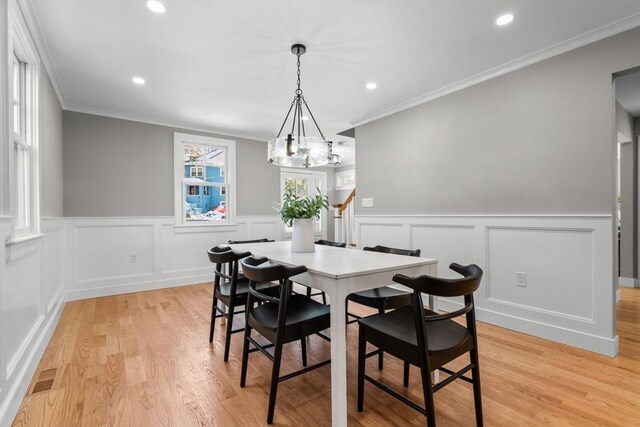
(226, 66)
(628, 93)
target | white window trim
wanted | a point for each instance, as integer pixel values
(178, 173)
(20, 41)
(324, 214)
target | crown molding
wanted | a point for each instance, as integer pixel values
(33, 24)
(162, 122)
(524, 61)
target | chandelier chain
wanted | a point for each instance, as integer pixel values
(298, 91)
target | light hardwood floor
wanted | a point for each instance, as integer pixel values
(143, 359)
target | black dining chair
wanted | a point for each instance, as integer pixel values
(230, 289)
(426, 339)
(384, 298)
(324, 243)
(263, 240)
(283, 319)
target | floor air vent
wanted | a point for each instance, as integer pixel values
(45, 381)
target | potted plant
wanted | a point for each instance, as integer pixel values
(300, 213)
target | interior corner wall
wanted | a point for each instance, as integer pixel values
(51, 186)
(31, 272)
(515, 174)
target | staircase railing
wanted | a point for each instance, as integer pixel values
(345, 220)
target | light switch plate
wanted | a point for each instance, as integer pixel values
(367, 203)
(521, 279)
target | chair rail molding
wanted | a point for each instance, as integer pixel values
(569, 292)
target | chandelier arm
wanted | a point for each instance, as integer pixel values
(302, 122)
(299, 118)
(314, 119)
(293, 122)
(285, 119)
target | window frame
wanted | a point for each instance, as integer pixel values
(306, 174)
(339, 177)
(179, 140)
(26, 141)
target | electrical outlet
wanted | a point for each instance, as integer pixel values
(367, 203)
(521, 279)
(133, 258)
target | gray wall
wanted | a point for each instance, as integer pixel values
(51, 181)
(116, 167)
(533, 141)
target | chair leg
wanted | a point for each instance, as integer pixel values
(245, 356)
(227, 338)
(477, 392)
(324, 298)
(346, 311)
(406, 374)
(308, 292)
(362, 350)
(428, 396)
(303, 346)
(275, 373)
(213, 316)
(381, 355)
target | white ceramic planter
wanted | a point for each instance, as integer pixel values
(303, 237)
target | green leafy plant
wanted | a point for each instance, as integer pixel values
(294, 206)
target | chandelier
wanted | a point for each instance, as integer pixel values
(297, 149)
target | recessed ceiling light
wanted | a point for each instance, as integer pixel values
(505, 19)
(138, 80)
(372, 85)
(156, 6)
(305, 117)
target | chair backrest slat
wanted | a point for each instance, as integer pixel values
(263, 240)
(445, 287)
(330, 243)
(394, 251)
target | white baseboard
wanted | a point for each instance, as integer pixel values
(618, 296)
(128, 288)
(602, 345)
(24, 373)
(628, 282)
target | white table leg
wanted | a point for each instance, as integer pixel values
(338, 361)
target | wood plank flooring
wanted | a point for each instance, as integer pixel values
(143, 359)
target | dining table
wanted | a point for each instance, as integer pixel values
(339, 272)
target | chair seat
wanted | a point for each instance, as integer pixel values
(243, 287)
(304, 317)
(391, 297)
(242, 290)
(397, 327)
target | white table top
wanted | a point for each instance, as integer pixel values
(336, 263)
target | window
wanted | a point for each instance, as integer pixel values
(304, 183)
(23, 110)
(204, 194)
(346, 180)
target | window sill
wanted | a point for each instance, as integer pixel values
(23, 239)
(207, 228)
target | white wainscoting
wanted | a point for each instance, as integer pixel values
(31, 298)
(570, 292)
(99, 252)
